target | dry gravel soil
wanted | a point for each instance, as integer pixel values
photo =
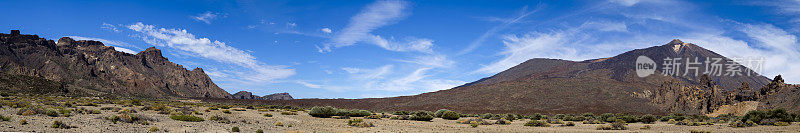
(251, 120)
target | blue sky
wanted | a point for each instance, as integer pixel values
(360, 49)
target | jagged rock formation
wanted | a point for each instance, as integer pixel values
(249, 95)
(278, 96)
(93, 67)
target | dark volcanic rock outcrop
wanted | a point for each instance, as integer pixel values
(278, 96)
(249, 95)
(92, 66)
(245, 95)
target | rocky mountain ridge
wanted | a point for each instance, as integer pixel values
(249, 95)
(90, 66)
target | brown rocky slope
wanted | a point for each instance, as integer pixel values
(91, 67)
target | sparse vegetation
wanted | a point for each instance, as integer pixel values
(59, 124)
(450, 115)
(359, 123)
(153, 129)
(288, 113)
(23, 122)
(226, 111)
(422, 116)
(235, 129)
(183, 117)
(267, 115)
(537, 123)
(5, 118)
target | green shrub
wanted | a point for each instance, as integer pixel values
(23, 122)
(509, 117)
(226, 111)
(153, 129)
(616, 125)
(235, 129)
(569, 123)
(502, 122)
(183, 117)
(220, 119)
(322, 112)
(537, 123)
(288, 113)
(422, 116)
(59, 124)
(473, 120)
(780, 114)
(487, 116)
(559, 116)
(259, 131)
(358, 113)
(473, 124)
(450, 115)
(267, 115)
(5, 118)
(648, 119)
(51, 113)
(755, 116)
(359, 123)
(780, 123)
(439, 112)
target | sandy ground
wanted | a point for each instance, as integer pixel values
(251, 120)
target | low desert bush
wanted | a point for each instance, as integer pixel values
(502, 122)
(322, 112)
(59, 124)
(422, 116)
(616, 125)
(235, 129)
(473, 120)
(569, 123)
(487, 116)
(220, 119)
(537, 123)
(5, 118)
(188, 118)
(450, 115)
(474, 124)
(592, 122)
(648, 119)
(226, 111)
(439, 112)
(51, 113)
(646, 127)
(359, 123)
(279, 123)
(153, 129)
(374, 116)
(267, 115)
(259, 131)
(237, 109)
(288, 113)
(780, 123)
(672, 121)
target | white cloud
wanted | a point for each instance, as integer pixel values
(533, 45)
(206, 17)
(118, 45)
(374, 16)
(109, 27)
(778, 47)
(412, 44)
(431, 60)
(377, 73)
(309, 85)
(625, 2)
(120, 49)
(215, 50)
(326, 30)
(606, 26)
(491, 32)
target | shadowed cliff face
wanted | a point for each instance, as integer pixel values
(93, 66)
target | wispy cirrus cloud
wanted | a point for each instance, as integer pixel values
(491, 32)
(376, 15)
(207, 17)
(186, 42)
